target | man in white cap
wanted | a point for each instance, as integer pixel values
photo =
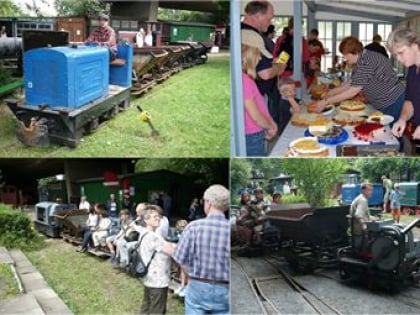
(104, 35)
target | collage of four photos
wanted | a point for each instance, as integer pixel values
(209, 157)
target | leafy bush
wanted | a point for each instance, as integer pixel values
(16, 229)
(5, 75)
(289, 199)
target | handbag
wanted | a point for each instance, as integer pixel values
(133, 236)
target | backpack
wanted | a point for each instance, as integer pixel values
(136, 266)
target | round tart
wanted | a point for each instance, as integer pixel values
(352, 106)
(327, 110)
(306, 119)
(307, 146)
(345, 119)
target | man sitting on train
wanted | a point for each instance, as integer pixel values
(359, 213)
(104, 35)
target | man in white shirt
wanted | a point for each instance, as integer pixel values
(84, 204)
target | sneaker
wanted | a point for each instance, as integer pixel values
(81, 249)
(179, 289)
(182, 292)
(115, 264)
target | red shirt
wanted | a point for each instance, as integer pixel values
(105, 36)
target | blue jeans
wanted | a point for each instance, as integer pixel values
(87, 236)
(395, 109)
(255, 144)
(202, 298)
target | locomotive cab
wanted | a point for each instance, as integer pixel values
(45, 222)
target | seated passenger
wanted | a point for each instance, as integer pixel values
(112, 241)
(125, 245)
(91, 224)
(102, 230)
(276, 198)
(104, 35)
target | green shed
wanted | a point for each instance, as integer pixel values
(143, 187)
(190, 31)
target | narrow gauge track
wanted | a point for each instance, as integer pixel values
(306, 294)
(266, 306)
(407, 298)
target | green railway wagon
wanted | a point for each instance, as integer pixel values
(189, 31)
(143, 187)
(410, 202)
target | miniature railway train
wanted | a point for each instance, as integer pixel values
(67, 222)
(71, 89)
(311, 238)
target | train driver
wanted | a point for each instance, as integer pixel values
(104, 35)
(359, 212)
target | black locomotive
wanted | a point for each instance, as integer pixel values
(386, 256)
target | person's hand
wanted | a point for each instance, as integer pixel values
(279, 68)
(399, 127)
(416, 134)
(320, 105)
(271, 132)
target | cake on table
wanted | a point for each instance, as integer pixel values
(369, 131)
(306, 119)
(347, 119)
(352, 106)
(307, 147)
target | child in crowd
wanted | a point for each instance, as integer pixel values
(276, 198)
(395, 199)
(259, 124)
(288, 103)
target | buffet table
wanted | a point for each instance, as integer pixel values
(386, 146)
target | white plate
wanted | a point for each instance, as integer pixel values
(385, 120)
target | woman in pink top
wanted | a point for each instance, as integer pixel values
(258, 122)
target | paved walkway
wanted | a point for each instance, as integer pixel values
(37, 297)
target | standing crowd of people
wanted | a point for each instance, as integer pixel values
(202, 251)
(270, 100)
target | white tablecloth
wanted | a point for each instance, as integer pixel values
(292, 132)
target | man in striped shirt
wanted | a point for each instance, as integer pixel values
(203, 251)
(373, 74)
(104, 35)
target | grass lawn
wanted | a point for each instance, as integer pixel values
(8, 285)
(190, 110)
(89, 285)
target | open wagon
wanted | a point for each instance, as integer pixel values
(309, 238)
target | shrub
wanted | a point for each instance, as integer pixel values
(16, 229)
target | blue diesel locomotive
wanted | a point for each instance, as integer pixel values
(69, 91)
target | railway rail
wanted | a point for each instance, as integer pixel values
(279, 290)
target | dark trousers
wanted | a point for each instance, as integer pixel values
(87, 236)
(154, 300)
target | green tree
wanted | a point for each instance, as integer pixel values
(204, 172)
(81, 8)
(403, 169)
(8, 8)
(315, 178)
(240, 172)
